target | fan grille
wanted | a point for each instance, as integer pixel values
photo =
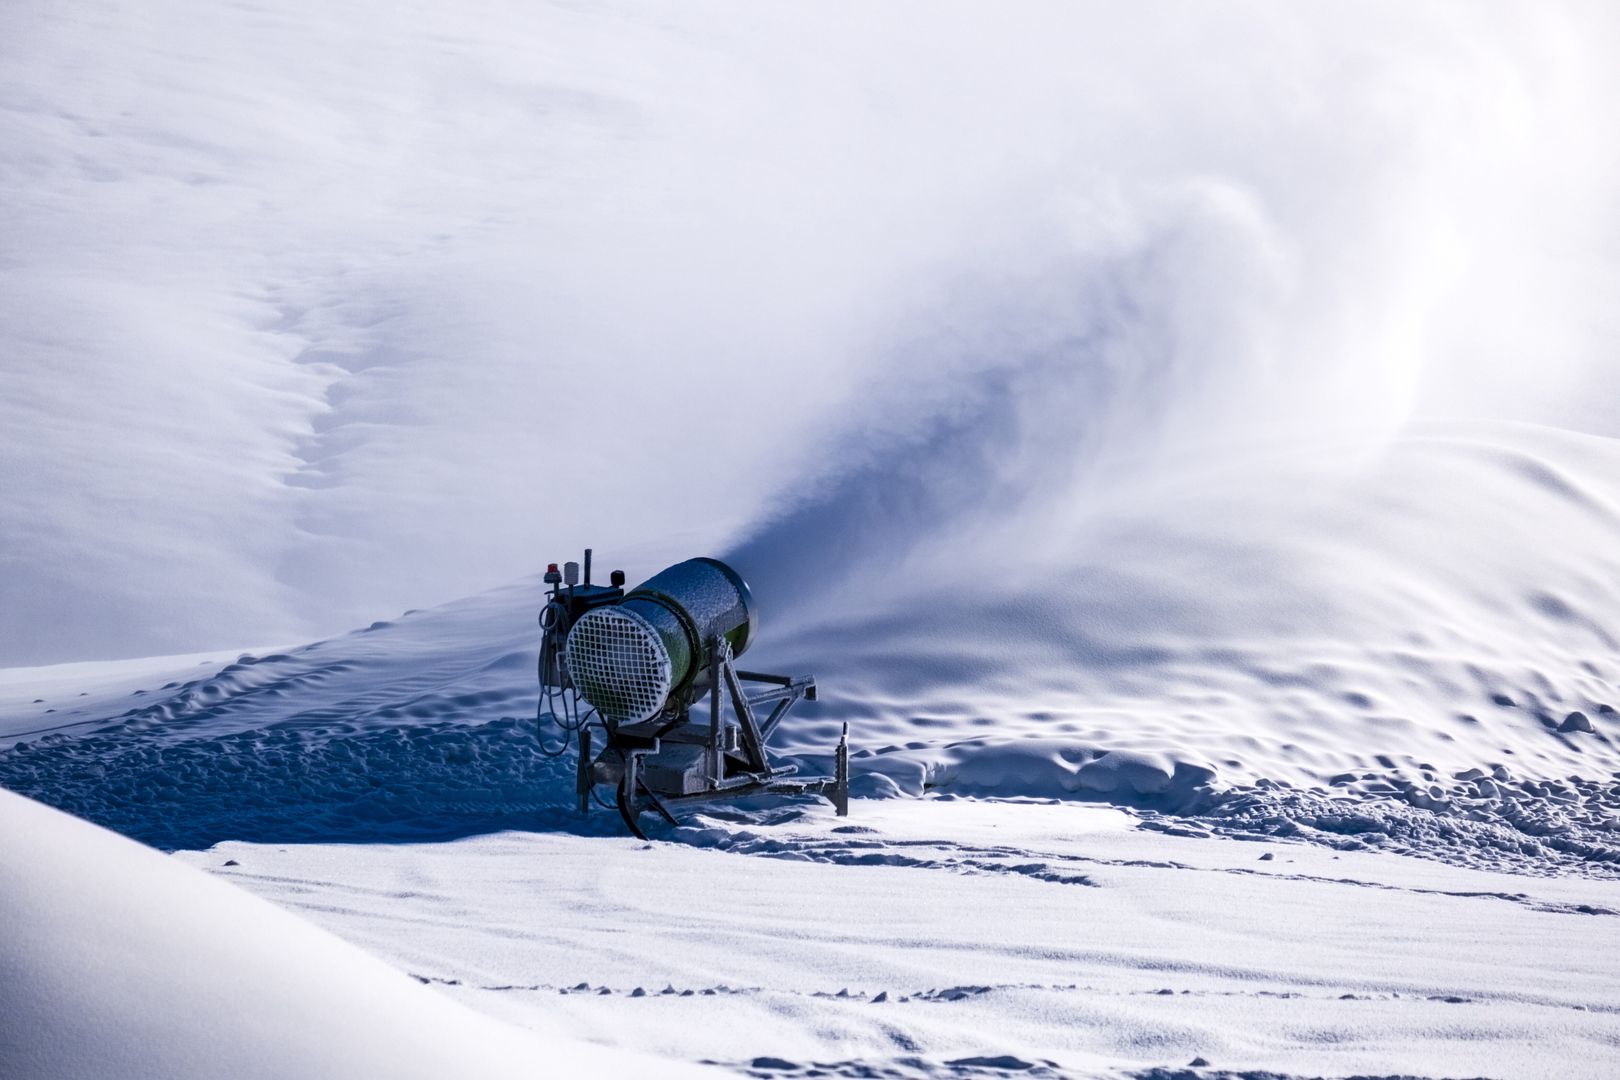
(619, 664)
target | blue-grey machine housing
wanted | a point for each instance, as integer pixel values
(624, 670)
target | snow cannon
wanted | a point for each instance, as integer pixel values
(647, 680)
(627, 658)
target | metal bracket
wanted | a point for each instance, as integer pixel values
(733, 760)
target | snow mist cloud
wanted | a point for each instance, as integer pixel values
(313, 313)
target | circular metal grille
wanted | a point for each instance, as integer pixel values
(618, 663)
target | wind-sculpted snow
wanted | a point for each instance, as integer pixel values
(415, 781)
(1215, 673)
(396, 731)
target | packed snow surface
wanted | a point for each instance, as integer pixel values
(924, 938)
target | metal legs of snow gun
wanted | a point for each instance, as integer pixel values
(673, 759)
(840, 795)
(632, 790)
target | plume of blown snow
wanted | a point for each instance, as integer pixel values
(304, 320)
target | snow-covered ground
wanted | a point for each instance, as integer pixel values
(1115, 819)
(1180, 440)
(919, 937)
(1459, 700)
(121, 963)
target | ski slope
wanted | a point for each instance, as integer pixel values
(1179, 440)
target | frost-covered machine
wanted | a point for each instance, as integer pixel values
(628, 667)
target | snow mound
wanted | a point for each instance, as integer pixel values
(125, 964)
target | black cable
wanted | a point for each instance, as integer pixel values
(551, 701)
(571, 721)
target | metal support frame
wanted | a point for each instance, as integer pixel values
(840, 795)
(583, 779)
(724, 770)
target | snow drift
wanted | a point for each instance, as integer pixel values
(123, 964)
